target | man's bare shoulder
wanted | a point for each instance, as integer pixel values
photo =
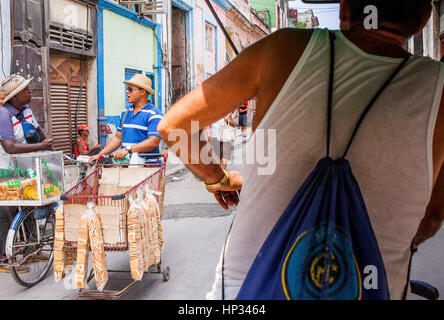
(289, 39)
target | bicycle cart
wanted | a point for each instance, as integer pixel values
(109, 187)
(30, 184)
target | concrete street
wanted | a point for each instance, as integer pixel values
(195, 228)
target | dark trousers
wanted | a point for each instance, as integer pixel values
(7, 214)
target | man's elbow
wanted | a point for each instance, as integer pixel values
(9, 148)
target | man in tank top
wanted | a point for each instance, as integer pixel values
(397, 156)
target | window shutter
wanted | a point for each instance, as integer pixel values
(68, 102)
(59, 119)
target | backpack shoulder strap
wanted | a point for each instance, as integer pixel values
(123, 121)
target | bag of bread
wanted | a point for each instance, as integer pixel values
(153, 210)
(97, 249)
(69, 262)
(134, 223)
(144, 229)
(82, 250)
(59, 242)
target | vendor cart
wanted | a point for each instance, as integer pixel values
(109, 187)
(30, 186)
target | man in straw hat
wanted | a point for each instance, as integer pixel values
(137, 131)
(19, 133)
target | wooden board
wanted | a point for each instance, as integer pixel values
(109, 217)
(129, 177)
(119, 180)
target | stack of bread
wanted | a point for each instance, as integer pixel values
(145, 237)
(135, 240)
(59, 240)
(155, 228)
(90, 232)
(82, 253)
(97, 250)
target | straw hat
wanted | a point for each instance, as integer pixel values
(13, 85)
(141, 81)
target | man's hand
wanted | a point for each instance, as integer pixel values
(97, 147)
(229, 195)
(120, 154)
(95, 158)
(46, 144)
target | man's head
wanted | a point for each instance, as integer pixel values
(404, 17)
(138, 89)
(16, 90)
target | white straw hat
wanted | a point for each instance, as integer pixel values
(13, 85)
(141, 81)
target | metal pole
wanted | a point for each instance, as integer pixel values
(222, 27)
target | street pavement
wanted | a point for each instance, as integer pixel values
(195, 228)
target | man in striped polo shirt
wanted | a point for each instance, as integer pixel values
(137, 132)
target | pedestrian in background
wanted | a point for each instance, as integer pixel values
(81, 146)
(243, 118)
(221, 136)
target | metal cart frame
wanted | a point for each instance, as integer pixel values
(87, 191)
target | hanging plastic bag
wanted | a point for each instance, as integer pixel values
(154, 218)
(144, 230)
(59, 242)
(82, 250)
(135, 240)
(151, 194)
(97, 250)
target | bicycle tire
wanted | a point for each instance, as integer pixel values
(29, 218)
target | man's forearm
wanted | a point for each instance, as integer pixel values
(112, 145)
(23, 148)
(209, 173)
(146, 145)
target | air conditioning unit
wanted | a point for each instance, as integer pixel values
(146, 7)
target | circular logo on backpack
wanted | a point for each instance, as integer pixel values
(314, 270)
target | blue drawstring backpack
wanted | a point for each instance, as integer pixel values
(30, 133)
(323, 246)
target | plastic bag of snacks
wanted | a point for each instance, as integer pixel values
(82, 250)
(90, 232)
(97, 250)
(144, 229)
(155, 224)
(59, 241)
(134, 227)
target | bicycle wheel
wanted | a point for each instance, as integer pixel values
(32, 249)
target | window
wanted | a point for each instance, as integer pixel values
(209, 37)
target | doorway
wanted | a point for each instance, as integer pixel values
(179, 57)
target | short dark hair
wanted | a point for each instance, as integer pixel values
(407, 13)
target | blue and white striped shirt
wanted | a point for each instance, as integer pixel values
(140, 126)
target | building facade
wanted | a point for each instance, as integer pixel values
(430, 41)
(5, 38)
(127, 44)
(273, 12)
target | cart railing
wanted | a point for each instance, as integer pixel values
(114, 206)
